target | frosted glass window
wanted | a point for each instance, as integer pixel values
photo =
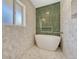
(7, 12)
(18, 14)
(13, 14)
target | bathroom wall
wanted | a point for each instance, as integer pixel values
(48, 23)
(69, 29)
(74, 7)
(18, 39)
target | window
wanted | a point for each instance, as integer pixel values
(7, 12)
(13, 12)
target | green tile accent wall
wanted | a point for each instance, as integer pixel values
(48, 19)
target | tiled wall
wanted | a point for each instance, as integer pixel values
(69, 29)
(51, 22)
(17, 39)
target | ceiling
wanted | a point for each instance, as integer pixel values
(40, 3)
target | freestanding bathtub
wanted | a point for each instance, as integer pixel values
(49, 42)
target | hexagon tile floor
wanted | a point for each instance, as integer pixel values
(37, 53)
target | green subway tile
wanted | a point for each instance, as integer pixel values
(48, 19)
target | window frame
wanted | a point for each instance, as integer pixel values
(23, 15)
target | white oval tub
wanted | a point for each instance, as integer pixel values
(49, 42)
